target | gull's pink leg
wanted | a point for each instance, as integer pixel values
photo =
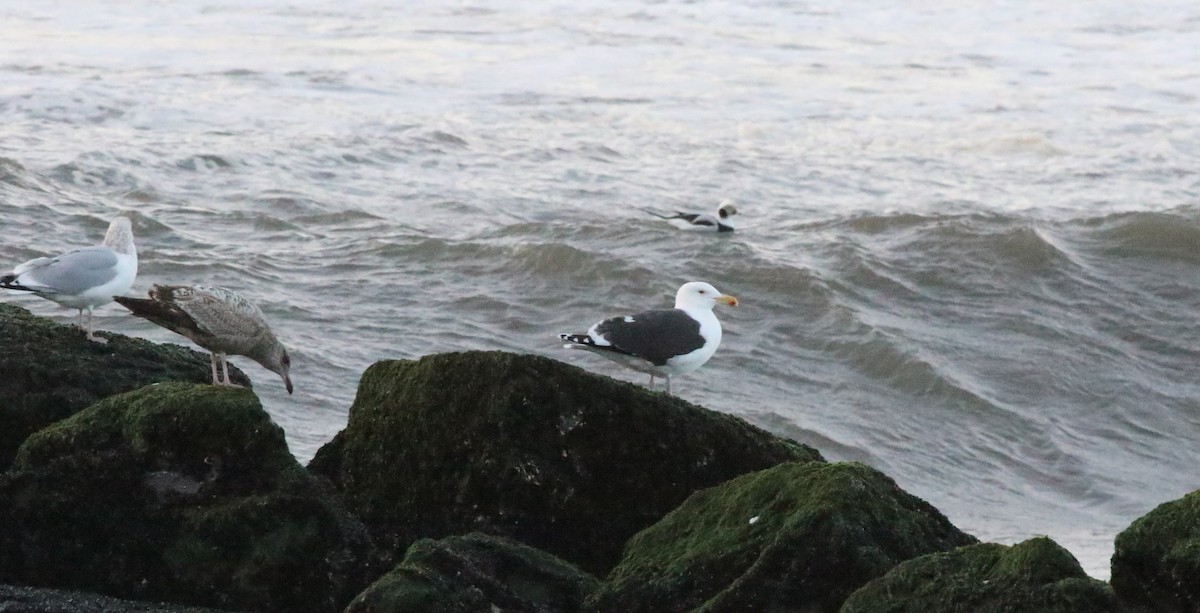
(212, 359)
(90, 336)
(225, 369)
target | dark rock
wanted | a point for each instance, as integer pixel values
(52, 372)
(796, 537)
(16, 599)
(1036, 576)
(477, 573)
(1157, 558)
(530, 448)
(178, 492)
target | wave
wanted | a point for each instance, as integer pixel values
(1167, 235)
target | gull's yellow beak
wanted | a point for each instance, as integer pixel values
(730, 300)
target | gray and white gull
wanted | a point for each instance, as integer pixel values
(662, 342)
(218, 319)
(82, 278)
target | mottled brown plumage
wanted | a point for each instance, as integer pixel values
(217, 319)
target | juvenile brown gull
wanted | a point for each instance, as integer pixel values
(83, 278)
(720, 220)
(662, 342)
(220, 320)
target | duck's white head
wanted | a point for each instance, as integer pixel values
(726, 210)
(701, 295)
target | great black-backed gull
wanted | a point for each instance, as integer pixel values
(83, 278)
(219, 320)
(720, 220)
(662, 342)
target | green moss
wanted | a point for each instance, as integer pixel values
(473, 573)
(180, 492)
(51, 372)
(403, 591)
(1036, 576)
(530, 448)
(791, 537)
(1157, 558)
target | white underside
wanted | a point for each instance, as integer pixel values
(692, 226)
(707, 223)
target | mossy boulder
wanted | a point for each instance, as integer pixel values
(1036, 576)
(178, 492)
(530, 448)
(477, 573)
(50, 372)
(795, 537)
(1157, 559)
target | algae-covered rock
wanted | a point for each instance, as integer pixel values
(796, 537)
(477, 573)
(50, 372)
(179, 492)
(1036, 576)
(530, 448)
(1157, 558)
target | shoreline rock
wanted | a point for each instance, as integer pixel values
(795, 537)
(1157, 559)
(1034, 575)
(476, 572)
(180, 492)
(187, 494)
(52, 372)
(22, 599)
(532, 449)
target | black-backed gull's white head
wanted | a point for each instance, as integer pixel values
(701, 295)
(661, 342)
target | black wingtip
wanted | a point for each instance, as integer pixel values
(9, 281)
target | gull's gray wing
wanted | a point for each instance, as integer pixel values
(73, 272)
(218, 312)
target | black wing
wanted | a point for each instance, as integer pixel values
(691, 218)
(688, 217)
(655, 336)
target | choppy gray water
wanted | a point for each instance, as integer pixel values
(970, 242)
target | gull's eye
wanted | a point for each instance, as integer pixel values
(701, 291)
